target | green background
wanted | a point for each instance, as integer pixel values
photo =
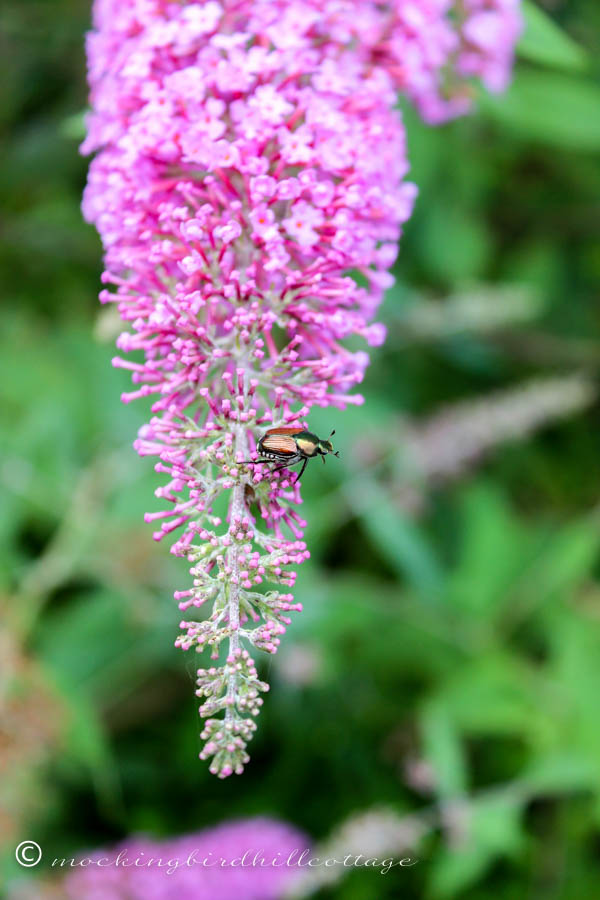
(448, 656)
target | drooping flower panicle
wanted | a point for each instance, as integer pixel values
(250, 190)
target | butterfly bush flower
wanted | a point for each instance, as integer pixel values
(250, 190)
(252, 859)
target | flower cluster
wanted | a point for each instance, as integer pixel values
(250, 192)
(445, 445)
(433, 48)
(253, 859)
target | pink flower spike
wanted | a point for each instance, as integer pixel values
(250, 187)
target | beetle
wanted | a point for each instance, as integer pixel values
(290, 445)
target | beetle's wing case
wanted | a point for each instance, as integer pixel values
(288, 429)
(283, 444)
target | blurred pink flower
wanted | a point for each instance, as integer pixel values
(252, 859)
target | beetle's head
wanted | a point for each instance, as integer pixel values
(326, 447)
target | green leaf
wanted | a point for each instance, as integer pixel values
(86, 741)
(397, 539)
(544, 42)
(569, 558)
(492, 555)
(86, 636)
(493, 829)
(550, 108)
(73, 126)
(576, 670)
(559, 772)
(454, 242)
(496, 695)
(443, 749)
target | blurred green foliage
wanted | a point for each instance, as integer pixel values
(466, 639)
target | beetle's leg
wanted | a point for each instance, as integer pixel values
(289, 462)
(302, 470)
(323, 458)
